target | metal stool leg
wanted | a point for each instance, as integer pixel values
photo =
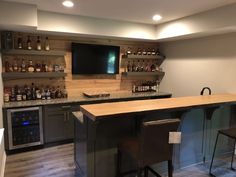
(118, 167)
(170, 168)
(213, 154)
(145, 172)
(232, 160)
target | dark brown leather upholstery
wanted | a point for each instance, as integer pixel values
(152, 144)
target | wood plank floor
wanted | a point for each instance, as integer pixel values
(58, 161)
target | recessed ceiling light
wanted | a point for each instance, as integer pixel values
(68, 3)
(157, 17)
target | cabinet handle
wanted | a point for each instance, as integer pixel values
(66, 107)
(68, 115)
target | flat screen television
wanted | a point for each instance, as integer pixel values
(95, 59)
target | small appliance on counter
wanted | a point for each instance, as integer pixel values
(24, 127)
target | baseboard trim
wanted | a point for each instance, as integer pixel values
(3, 165)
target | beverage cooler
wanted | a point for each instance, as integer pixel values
(24, 127)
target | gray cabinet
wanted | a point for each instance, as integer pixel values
(58, 122)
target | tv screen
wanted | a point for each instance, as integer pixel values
(95, 59)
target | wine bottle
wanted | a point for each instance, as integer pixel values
(19, 43)
(23, 66)
(29, 45)
(47, 46)
(30, 66)
(38, 46)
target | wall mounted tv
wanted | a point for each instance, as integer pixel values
(95, 59)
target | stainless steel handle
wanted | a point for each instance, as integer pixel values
(65, 107)
(68, 115)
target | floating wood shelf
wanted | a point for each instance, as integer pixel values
(21, 75)
(156, 73)
(33, 52)
(144, 57)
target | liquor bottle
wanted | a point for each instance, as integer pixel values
(139, 51)
(15, 66)
(19, 94)
(153, 67)
(38, 93)
(128, 67)
(7, 66)
(53, 93)
(43, 94)
(30, 66)
(142, 66)
(24, 95)
(19, 43)
(38, 67)
(28, 93)
(138, 67)
(23, 66)
(58, 92)
(48, 94)
(33, 91)
(149, 52)
(144, 52)
(47, 46)
(29, 45)
(129, 51)
(65, 93)
(38, 45)
(13, 94)
(44, 67)
(153, 52)
(133, 67)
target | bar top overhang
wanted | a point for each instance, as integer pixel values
(106, 110)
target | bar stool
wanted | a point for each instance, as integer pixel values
(230, 133)
(149, 147)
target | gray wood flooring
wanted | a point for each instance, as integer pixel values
(58, 161)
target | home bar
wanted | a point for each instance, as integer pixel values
(117, 88)
(103, 125)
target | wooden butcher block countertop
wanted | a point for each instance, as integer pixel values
(109, 110)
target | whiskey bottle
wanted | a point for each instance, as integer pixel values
(19, 94)
(7, 66)
(19, 43)
(38, 67)
(24, 95)
(48, 94)
(149, 52)
(33, 91)
(139, 51)
(47, 46)
(128, 67)
(58, 92)
(23, 66)
(38, 45)
(28, 93)
(65, 93)
(15, 66)
(129, 52)
(30, 66)
(44, 67)
(29, 45)
(13, 94)
(43, 94)
(133, 67)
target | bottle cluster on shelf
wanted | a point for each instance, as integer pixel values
(142, 66)
(35, 45)
(33, 92)
(145, 86)
(29, 66)
(142, 51)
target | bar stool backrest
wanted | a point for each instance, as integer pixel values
(154, 141)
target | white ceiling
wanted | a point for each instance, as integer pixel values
(130, 10)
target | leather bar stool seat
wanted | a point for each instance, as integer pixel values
(230, 133)
(151, 146)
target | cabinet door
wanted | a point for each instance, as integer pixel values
(70, 125)
(55, 126)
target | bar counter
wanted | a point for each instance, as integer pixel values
(100, 127)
